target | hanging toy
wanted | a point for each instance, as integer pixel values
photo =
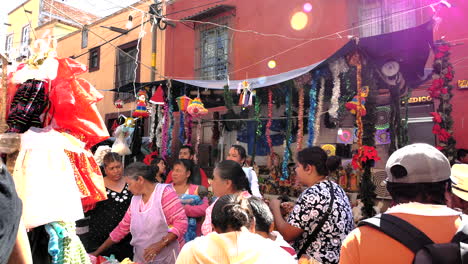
(158, 96)
(183, 102)
(354, 105)
(120, 145)
(141, 110)
(196, 108)
(119, 103)
(246, 94)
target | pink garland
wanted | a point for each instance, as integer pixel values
(268, 125)
(188, 129)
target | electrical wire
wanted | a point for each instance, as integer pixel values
(29, 22)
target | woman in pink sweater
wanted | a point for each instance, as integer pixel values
(155, 218)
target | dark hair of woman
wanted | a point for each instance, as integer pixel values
(231, 213)
(241, 150)
(314, 156)
(137, 169)
(111, 157)
(426, 193)
(155, 168)
(231, 170)
(262, 213)
(333, 163)
(187, 164)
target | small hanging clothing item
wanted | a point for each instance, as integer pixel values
(65, 246)
(150, 226)
(28, 104)
(45, 180)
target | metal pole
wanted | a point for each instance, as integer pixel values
(3, 95)
(153, 43)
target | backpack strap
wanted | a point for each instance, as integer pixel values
(398, 229)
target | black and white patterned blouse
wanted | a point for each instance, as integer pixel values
(310, 208)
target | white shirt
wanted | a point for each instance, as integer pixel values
(253, 180)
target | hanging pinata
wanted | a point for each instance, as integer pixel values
(196, 108)
(354, 105)
(246, 94)
(183, 102)
(141, 110)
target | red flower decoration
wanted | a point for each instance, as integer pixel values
(444, 90)
(355, 162)
(443, 135)
(439, 55)
(440, 148)
(437, 83)
(449, 74)
(365, 153)
(149, 158)
(436, 129)
(436, 117)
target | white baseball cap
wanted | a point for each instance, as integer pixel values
(459, 180)
(417, 163)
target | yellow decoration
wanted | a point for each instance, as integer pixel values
(329, 149)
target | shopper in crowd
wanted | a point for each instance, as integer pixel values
(417, 178)
(238, 154)
(321, 217)
(155, 218)
(462, 156)
(264, 224)
(108, 213)
(159, 166)
(192, 196)
(228, 178)
(199, 176)
(457, 191)
(234, 240)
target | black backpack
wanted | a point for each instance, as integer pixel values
(425, 250)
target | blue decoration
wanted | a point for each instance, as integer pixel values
(313, 105)
(191, 199)
(181, 127)
(287, 150)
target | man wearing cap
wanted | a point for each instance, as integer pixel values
(457, 191)
(418, 176)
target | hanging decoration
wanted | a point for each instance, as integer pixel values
(183, 102)
(159, 128)
(345, 136)
(312, 108)
(246, 94)
(382, 116)
(269, 122)
(288, 139)
(228, 101)
(382, 137)
(170, 118)
(165, 132)
(300, 82)
(258, 131)
(337, 67)
(188, 129)
(330, 149)
(441, 90)
(318, 114)
(365, 153)
(197, 144)
(158, 96)
(196, 108)
(181, 127)
(358, 102)
(119, 103)
(141, 109)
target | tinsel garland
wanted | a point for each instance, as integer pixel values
(159, 128)
(170, 118)
(355, 60)
(164, 137)
(258, 102)
(181, 127)
(403, 135)
(153, 124)
(288, 139)
(268, 125)
(441, 89)
(318, 114)
(337, 67)
(300, 119)
(197, 144)
(228, 101)
(312, 108)
(188, 129)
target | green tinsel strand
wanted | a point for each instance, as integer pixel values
(229, 102)
(258, 101)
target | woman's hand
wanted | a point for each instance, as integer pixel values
(274, 204)
(152, 251)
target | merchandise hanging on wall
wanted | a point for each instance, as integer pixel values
(141, 107)
(246, 94)
(382, 137)
(269, 123)
(330, 149)
(170, 118)
(300, 83)
(383, 117)
(312, 113)
(319, 112)
(288, 139)
(345, 135)
(337, 67)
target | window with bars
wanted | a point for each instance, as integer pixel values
(385, 16)
(8, 43)
(212, 51)
(94, 59)
(126, 69)
(24, 51)
(84, 38)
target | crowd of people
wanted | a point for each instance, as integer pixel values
(157, 215)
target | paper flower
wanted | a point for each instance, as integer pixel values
(436, 117)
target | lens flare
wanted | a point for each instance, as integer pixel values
(262, 80)
(307, 7)
(272, 64)
(299, 21)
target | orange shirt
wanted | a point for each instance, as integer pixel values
(368, 245)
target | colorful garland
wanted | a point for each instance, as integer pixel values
(170, 118)
(197, 144)
(441, 90)
(188, 129)
(337, 67)
(288, 139)
(181, 127)
(228, 101)
(312, 108)
(318, 114)
(258, 101)
(300, 120)
(355, 60)
(268, 125)
(166, 121)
